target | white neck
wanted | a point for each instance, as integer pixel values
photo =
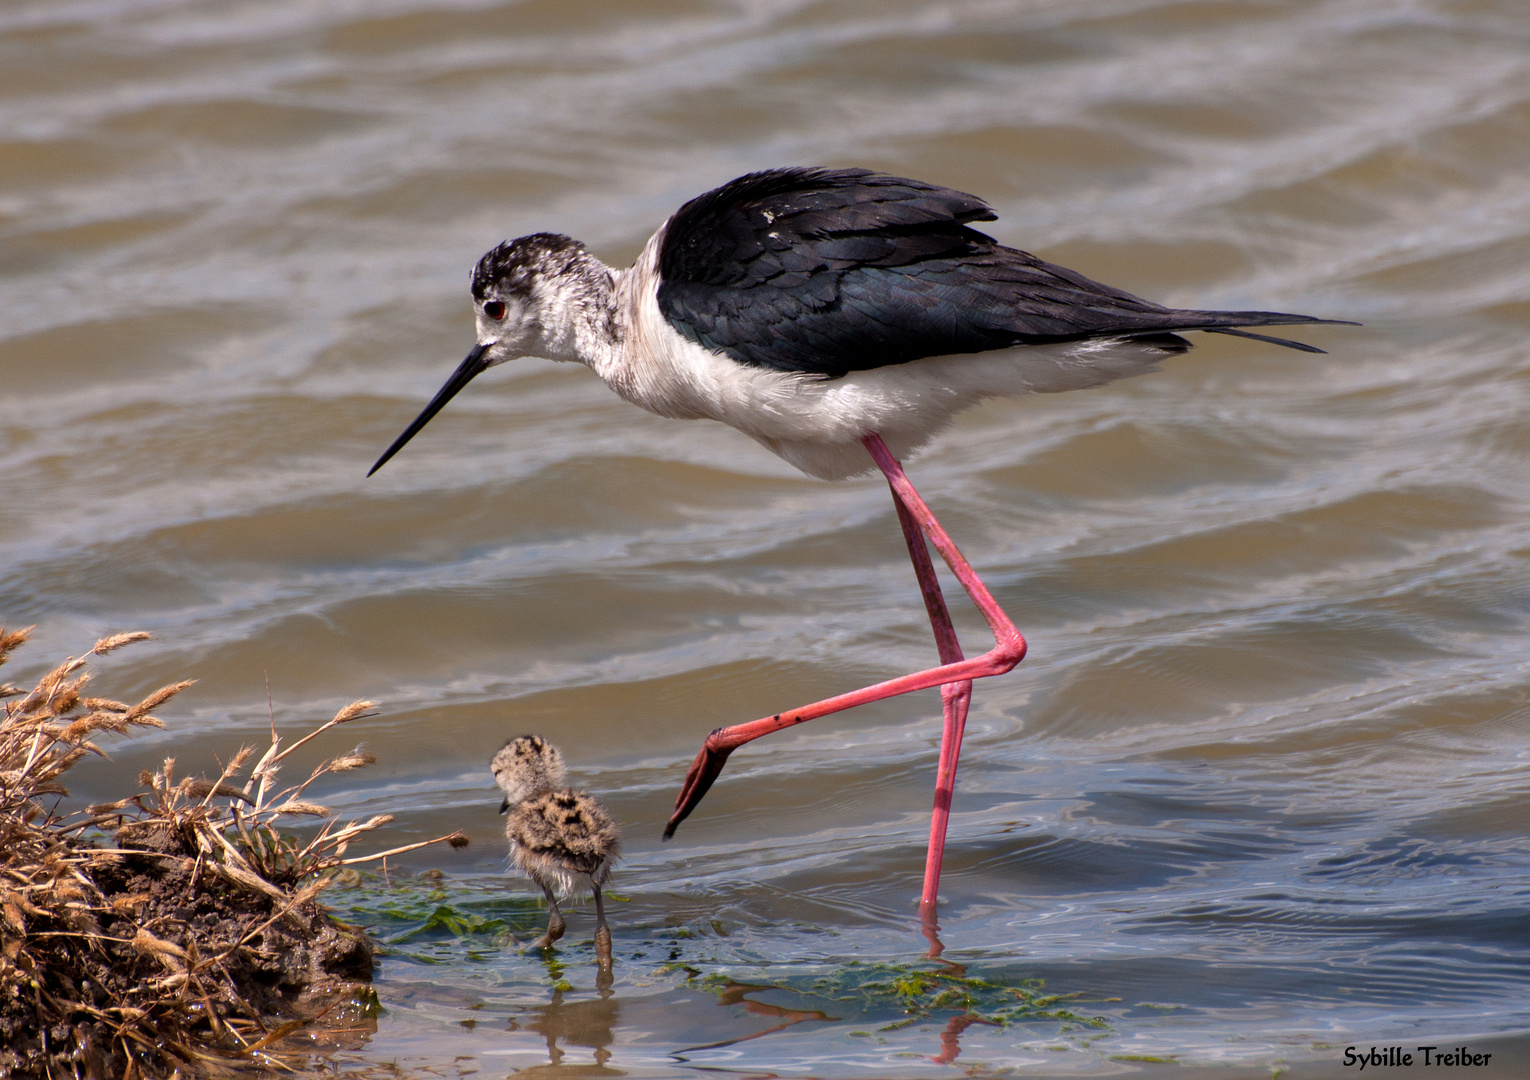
(577, 316)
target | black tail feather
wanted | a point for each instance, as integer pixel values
(1287, 342)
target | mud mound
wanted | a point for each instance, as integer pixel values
(177, 930)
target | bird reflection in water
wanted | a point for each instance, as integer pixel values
(931, 930)
(950, 1038)
(593, 1022)
(733, 993)
(738, 993)
(584, 1023)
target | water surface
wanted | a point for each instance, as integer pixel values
(1258, 792)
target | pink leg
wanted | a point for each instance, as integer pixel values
(954, 700)
(1008, 650)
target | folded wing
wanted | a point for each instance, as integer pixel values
(828, 271)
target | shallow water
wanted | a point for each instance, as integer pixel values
(1258, 792)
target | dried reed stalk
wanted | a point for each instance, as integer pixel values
(191, 944)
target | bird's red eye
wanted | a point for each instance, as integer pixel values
(494, 310)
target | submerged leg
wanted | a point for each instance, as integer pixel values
(602, 932)
(555, 923)
(1008, 650)
(954, 700)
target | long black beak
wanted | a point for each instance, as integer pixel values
(473, 365)
(504, 807)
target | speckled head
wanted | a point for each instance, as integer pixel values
(539, 295)
(510, 269)
(529, 293)
(527, 766)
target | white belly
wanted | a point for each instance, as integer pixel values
(817, 424)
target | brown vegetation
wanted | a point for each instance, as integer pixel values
(176, 929)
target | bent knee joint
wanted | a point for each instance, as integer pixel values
(1006, 653)
(717, 747)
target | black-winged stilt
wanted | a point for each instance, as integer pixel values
(560, 838)
(840, 318)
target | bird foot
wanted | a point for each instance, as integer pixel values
(698, 781)
(554, 932)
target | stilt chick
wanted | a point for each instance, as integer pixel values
(560, 838)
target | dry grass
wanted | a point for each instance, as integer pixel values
(193, 942)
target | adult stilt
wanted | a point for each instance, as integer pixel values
(806, 307)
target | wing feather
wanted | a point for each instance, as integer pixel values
(828, 271)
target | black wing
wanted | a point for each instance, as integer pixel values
(837, 270)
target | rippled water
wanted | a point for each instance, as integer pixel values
(1258, 792)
